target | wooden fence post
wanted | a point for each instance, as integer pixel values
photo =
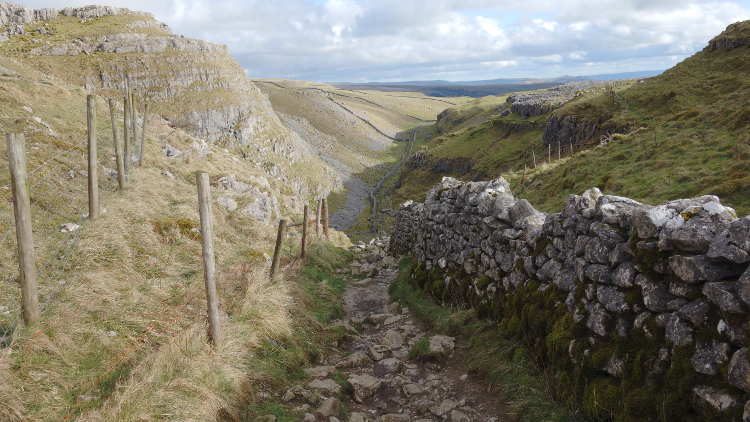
(126, 133)
(559, 147)
(277, 251)
(533, 154)
(325, 217)
(118, 150)
(209, 264)
(93, 161)
(22, 211)
(143, 136)
(317, 218)
(549, 151)
(133, 118)
(305, 222)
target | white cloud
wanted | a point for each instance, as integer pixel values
(470, 39)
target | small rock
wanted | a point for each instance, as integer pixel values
(320, 371)
(364, 386)
(393, 339)
(457, 416)
(356, 417)
(301, 409)
(266, 418)
(69, 227)
(376, 352)
(354, 360)
(446, 406)
(392, 319)
(330, 407)
(326, 386)
(463, 377)
(390, 364)
(333, 419)
(395, 418)
(712, 398)
(309, 417)
(739, 370)
(442, 345)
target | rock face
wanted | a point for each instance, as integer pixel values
(674, 273)
(199, 85)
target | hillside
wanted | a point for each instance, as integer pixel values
(122, 333)
(361, 134)
(197, 86)
(678, 134)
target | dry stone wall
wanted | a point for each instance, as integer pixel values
(634, 307)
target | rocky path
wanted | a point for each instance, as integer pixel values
(371, 375)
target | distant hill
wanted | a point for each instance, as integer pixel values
(482, 88)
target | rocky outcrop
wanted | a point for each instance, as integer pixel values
(538, 103)
(619, 272)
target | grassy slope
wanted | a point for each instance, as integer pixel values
(686, 138)
(136, 273)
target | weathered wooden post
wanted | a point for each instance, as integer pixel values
(533, 154)
(93, 161)
(22, 211)
(549, 151)
(118, 150)
(134, 118)
(143, 136)
(559, 147)
(126, 133)
(325, 217)
(277, 252)
(209, 264)
(317, 218)
(305, 223)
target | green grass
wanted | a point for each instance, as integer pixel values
(502, 363)
(683, 134)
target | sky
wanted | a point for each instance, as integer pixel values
(455, 40)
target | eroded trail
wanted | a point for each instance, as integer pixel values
(381, 384)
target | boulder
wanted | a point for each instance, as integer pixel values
(443, 408)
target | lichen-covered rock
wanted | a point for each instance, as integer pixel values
(711, 398)
(722, 295)
(695, 269)
(695, 311)
(739, 370)
(612, 299)
(598, 319)
(708, 356)
(678, 332)
(617, 210)
(624, 275)
(649, 221)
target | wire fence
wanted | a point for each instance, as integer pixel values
(58, 189)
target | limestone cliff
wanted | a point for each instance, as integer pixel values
(198, 86)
